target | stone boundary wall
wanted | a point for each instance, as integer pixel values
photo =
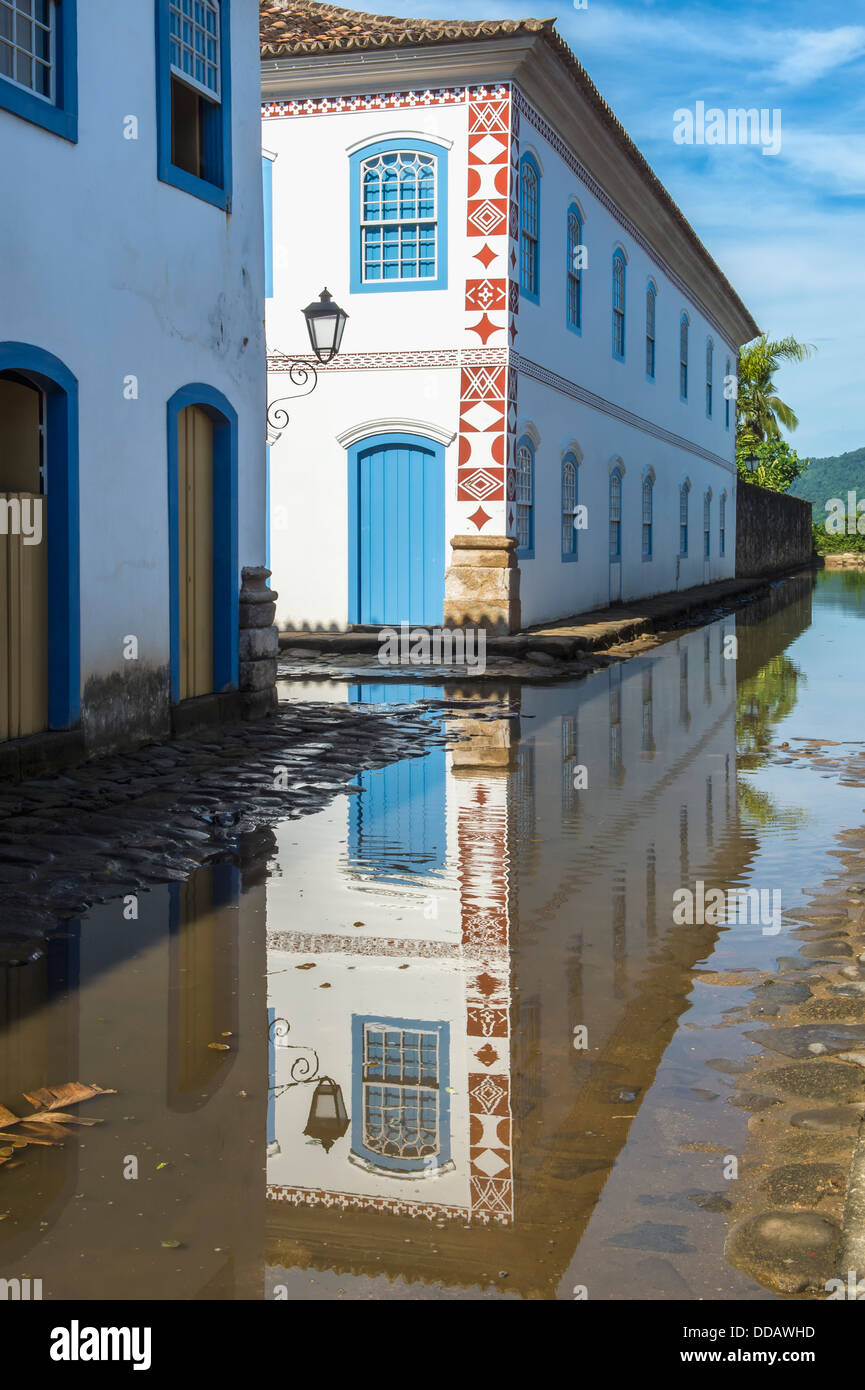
(773, 531)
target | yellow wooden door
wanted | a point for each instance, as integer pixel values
(23, 567)
(195, 551)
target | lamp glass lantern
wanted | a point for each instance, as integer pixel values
(328, 1120)
(325, 322)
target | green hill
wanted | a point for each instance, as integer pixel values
(831, 477)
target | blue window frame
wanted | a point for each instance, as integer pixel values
(398, 205)
(710, 353)
(683, 357)
(193, 98)
(648, 520)
(722, 514)
(39, 63)
(400, 1095)
(570, 483)
(267, 191)
(615, 515)
(684, 496)
(619, 306)
(573, 269)
(530, 229)
(726, 397)
(525, 499)
(651, 305)
(707, 524)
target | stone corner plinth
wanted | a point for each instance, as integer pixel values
(482, 584)
(258, 646)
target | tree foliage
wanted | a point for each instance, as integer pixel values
(777, 464)
(760, 412)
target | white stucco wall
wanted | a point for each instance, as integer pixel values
(308, 465)
(118, 274)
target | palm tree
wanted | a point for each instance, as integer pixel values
(759, 412)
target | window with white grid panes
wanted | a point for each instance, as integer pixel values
(707, 525)
(574, 271)
(683, 357)
(194, 44)
(615, 515)
(684, 493)
(569, 505)
(401, 1069)
(525, 499)
(398, 216)
(28, 45)
(529, 230)
(647, 518)
(722, 514)
(618, 305)
(650, 331)
(710, 352)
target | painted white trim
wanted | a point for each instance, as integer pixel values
(528, 428)
(571, 446)
(392, 425)
(380, 1171)
(399, 135)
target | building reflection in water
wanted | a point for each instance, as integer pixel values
(480, 905)
(137, 1004)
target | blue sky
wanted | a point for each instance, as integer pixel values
(788, 230)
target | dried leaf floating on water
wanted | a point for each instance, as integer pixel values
(54, 1097)
(219, 1047)
(48, 1125)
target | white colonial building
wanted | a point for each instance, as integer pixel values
(132, 402)
(534, 331)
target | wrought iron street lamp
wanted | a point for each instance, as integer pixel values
(751, 463)
(325, 324)
(328, 1120)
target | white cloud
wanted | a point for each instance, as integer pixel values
(811, 54)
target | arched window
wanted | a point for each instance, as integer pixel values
(619, 306)
(525, 498)
(615, 515)
(530, 232)
(722, 513)
(683, 357)
(707, 524)
(684, 495)
(398, 215)
(648, 489)
(710, 350)
(726, 395)
(651, 296)
(574, 269)
(401, 1114)
(569, 505)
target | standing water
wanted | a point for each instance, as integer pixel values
(447, 1038)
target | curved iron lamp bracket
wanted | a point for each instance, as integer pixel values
(304, 376)
(303, 1069)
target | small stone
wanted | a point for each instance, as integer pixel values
(786, 1251)
(834, 1117)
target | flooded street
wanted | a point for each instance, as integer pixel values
(443, 1038)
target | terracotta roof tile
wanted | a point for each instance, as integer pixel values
(306, 26)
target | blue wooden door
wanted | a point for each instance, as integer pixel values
(396, 531)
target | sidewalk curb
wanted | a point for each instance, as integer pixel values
(852, 1251)
(563, 644)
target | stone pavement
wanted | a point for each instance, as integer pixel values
(570, 647)
(120, 824)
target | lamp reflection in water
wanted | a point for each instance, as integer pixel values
(328, 1120)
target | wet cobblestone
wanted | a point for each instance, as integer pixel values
(119, 825)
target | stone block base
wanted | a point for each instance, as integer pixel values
(482, 585)
(259, 640)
